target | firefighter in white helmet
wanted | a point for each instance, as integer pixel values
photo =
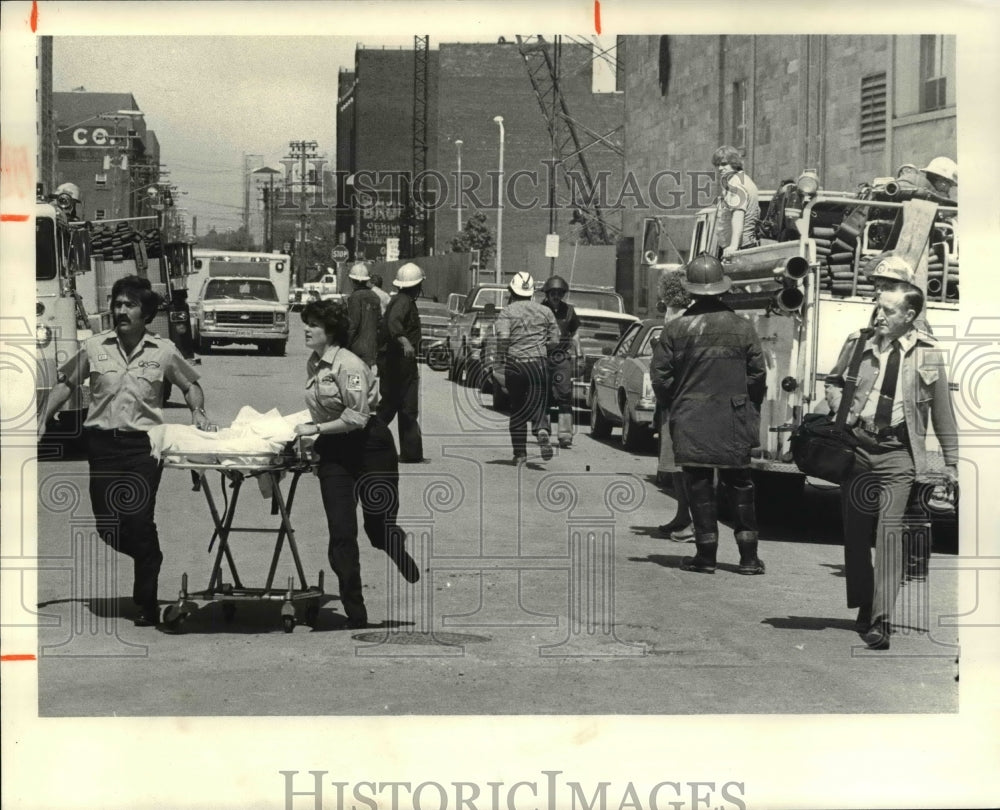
(363, 313)
(942, 175)
(526, 333)
(399, 378)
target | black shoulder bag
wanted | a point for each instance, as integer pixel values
(822, 446)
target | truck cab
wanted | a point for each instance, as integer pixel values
(240, 309)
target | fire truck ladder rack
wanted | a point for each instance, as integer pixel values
(570, 138)
(415, 201)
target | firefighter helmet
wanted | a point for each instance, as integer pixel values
(522, 284)
(943, 167)
(555, 283)
(359, 272)
(705, 276)
(409, 275)
(892, 268)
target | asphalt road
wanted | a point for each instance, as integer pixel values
(544, 590)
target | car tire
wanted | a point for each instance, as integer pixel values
(600, 427)
(634, 435)
(204, 346)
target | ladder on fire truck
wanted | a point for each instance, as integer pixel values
(571, 139)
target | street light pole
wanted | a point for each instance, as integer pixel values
(458, 145)
(499, 272)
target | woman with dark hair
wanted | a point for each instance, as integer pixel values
(357, 455)
(127, 367)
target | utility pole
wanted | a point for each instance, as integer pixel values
(246, 198)
(301, 150)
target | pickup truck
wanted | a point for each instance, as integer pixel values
(472, 320)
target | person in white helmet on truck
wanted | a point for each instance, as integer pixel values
(941, 175)
(526, 334)
(399, 377)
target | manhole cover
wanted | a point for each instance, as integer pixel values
(444, 639)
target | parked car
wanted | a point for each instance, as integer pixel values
(589, 297)
(620, 389)
(471, 321)
(299, 297)
(434, 321)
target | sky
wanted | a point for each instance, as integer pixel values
(211, 100)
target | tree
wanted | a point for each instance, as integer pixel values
(476, 235)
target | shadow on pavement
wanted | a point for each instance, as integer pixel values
(808, 623)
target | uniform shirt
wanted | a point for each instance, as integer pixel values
(906, 342)
(363, 312)
(126, 392)
(401, 319)
(340, 385)
(739, 193)
(529, 328)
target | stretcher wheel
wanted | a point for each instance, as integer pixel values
(312, 614)
(288, 623)
(173, 618)
(228, 611)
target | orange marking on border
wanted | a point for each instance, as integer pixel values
(19, 657)
(34, 16)
(13, 217)
(597, 15)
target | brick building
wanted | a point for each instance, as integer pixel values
(109, 155)
(852, 107)
(468, 86)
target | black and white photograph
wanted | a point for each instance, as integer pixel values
(420, 414)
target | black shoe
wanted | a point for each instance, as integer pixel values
(357, 622)
(544, 445)
(877, 637)
(698, 564)
(414, 461)
(864, 620)
(520, 458)
(675, 525)
(148, 616)
(751, 567)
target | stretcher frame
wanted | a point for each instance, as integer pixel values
(237, 469)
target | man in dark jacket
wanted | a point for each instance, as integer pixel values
(363, 313)
(562, 358)
(708, 370)
(399, 378)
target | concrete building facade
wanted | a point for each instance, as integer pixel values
(851, 107)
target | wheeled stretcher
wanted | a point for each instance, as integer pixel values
(270, 469)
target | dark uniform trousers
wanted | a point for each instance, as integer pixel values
(873, 502)
(360, 465)
(124, 479)
(528, 387)
(561, 373)
(399, 390)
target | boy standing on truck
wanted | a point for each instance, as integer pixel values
(738, 207)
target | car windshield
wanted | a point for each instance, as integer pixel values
(594, 299)
(240, 290)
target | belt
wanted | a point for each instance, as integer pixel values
(898, 431)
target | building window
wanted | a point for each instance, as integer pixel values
(924, 74)
(100, 181)
(664, 66)
(99, 213)
(873, 111)
(933, 79)
(738, 136)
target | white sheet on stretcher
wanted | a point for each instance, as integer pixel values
(253, 439)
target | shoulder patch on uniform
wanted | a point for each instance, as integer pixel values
(353, 382)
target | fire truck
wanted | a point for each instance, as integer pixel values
(805, 287)
(61, 254)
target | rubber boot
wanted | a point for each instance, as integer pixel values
(565, 430)
(703, 562)
(750, 563)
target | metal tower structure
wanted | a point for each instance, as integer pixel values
(571, 139)
(414, 202)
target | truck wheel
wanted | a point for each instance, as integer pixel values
(633, 434)
(437, 359)
(204, 346)
(279, 348)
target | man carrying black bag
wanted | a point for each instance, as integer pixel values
(901, 381)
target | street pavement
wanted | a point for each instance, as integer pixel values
(544, 589)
